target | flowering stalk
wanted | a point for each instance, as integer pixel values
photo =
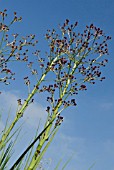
(71, 68)
(68, 88)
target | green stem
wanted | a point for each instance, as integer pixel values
(36, 160)
(41, 143)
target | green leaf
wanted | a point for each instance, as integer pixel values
(58, 164)
(92, 166)
(67, 162)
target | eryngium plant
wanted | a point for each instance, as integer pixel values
(74, 60)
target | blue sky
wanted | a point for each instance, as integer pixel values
(88, 129)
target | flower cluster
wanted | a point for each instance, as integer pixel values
(59, 120)
(79, 59)
(19, 102)
(72, 43)
(12, 47)
(74, 60)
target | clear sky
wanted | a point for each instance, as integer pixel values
(88, 129)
